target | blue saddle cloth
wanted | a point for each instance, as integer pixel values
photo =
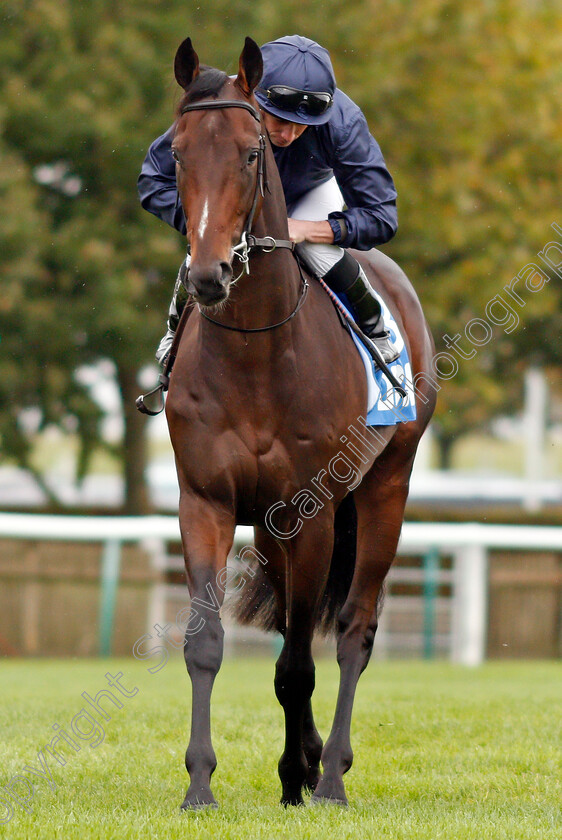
(385, 406)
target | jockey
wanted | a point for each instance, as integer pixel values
(338, 191)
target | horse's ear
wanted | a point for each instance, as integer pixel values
(186, 64)
(250, 68)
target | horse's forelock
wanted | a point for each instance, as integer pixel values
(209, 82)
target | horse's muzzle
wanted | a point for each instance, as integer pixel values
(209, 285)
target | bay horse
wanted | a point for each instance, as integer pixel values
(265, 385)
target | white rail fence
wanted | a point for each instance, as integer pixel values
(468, 544)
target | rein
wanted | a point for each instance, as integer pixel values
(248, 241)
(300, 302)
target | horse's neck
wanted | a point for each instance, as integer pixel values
(273, 217)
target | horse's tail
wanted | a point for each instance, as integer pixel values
(342, 566)
(256, 604)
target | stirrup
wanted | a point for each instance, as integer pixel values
(383, 341)
(156, 393)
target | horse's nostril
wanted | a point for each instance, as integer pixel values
(190, 288)
(226, 271)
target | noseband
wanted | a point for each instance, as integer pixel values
(248, 241)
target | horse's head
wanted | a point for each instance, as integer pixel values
(217, 151)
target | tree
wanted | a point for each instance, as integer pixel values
(464, 105)
(83, 94)
(467, 110)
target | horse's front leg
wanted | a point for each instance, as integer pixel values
(207, 536)
(309, 562)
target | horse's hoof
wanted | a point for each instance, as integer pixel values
(193, 802)
(328, 800)
(292, 800)
(198, 806)
(330, 791)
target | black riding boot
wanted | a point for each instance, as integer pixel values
(177, 305)
(348, 277)
(152, 403)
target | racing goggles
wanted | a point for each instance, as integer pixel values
(293, 100)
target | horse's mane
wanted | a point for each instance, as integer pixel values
(209, 82)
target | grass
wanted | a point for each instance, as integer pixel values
(440, 752)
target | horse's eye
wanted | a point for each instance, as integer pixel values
(253, 156)
(175, 156)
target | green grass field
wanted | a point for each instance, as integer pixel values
(440, 752)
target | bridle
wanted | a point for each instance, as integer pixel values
(249, 242)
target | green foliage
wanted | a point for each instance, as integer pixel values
(467, 109)
(83, 94)
(462, 96)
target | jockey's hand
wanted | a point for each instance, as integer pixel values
(305, 231)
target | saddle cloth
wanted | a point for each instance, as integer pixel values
(385, 407)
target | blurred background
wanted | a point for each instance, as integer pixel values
(465, 101)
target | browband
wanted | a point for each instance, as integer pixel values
(222, 103)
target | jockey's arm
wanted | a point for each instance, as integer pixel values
(157, 183)
(367, 187)
(370, 216)
(319, 233)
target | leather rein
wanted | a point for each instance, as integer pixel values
(249, 242)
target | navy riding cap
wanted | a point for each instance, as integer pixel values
(295, 67)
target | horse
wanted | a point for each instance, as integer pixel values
(265, 387)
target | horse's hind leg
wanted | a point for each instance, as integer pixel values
(380, 502)
(207, 538)
(276, 556)
(294, 674)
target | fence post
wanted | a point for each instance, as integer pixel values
(110, 567)
(536, 395)
(470, 605)
(430, 575)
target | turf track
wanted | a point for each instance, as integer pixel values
(440, 752)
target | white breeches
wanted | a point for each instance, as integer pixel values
(314, 207)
